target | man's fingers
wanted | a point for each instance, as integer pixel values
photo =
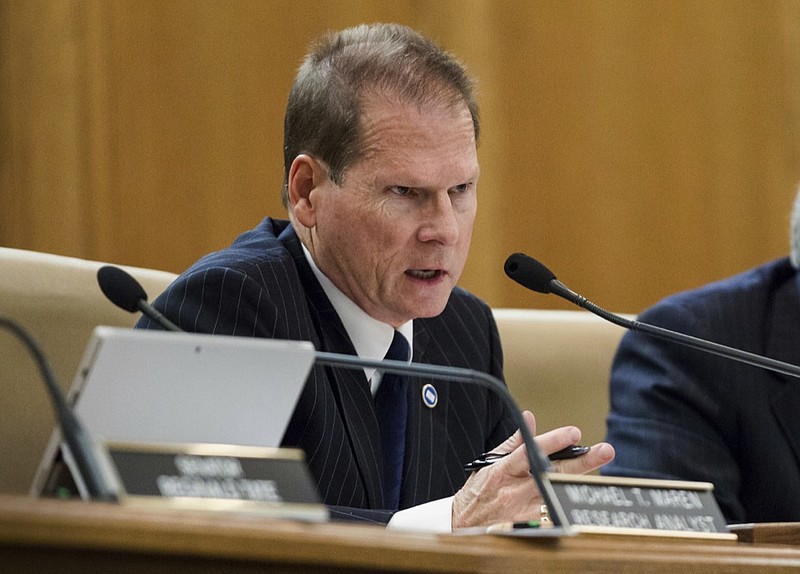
(515, 439)
(556, 439)
(599, 455)
(517, 463)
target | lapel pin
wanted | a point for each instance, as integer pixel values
(430, 396)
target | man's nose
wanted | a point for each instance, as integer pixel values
(440, 221)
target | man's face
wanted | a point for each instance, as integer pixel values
(394, 236)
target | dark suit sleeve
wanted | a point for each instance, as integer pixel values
(669, 417)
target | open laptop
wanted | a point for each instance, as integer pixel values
(138, 386)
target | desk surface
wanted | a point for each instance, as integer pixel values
(44, 535)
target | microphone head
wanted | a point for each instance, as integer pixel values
(121, 288)
(529, 273)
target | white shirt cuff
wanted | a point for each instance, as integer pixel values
(434, 516)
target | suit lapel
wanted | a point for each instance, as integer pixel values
(349, 386)
(426, 433)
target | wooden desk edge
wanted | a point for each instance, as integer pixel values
(228, 539)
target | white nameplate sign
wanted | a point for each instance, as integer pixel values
(617, 505)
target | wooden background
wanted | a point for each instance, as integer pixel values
(636, 147)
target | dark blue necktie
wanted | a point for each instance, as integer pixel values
(391, 407)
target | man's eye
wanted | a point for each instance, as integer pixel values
(464, 187)
(400, 190)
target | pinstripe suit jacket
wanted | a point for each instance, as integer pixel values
(262, 286)
(679, 413)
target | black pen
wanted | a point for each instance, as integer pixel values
(487, 458)
(572, 451)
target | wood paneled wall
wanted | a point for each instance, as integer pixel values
(638, 148)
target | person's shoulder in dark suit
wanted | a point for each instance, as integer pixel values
(679, 413)
(734, 301)
(237, 290)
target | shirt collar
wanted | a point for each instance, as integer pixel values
(370, 337)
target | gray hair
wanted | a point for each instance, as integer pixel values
(795, 231)
(323, 114)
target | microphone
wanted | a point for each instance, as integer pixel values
(125, 292)
(73, 432)
(529, 273)
(536, 460)
(120, 287)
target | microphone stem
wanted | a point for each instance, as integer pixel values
(73, 432)
(157, 317)
(558, 288)
(718, 349)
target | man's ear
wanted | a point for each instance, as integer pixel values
(306, 175)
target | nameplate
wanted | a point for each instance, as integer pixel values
(617, 505)
(268, 481)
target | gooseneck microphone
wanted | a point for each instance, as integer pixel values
(537, 462)
(120, 287)
(125, 292)
(76, 437)
(529, 273)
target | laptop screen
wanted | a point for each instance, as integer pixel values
(139, 386)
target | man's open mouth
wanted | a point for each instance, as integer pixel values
(424, 273)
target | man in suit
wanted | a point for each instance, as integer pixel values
(679, 413)
(380, 185)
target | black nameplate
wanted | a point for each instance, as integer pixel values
(606, 504)
(260, 479)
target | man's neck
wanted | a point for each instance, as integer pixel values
(371, 338)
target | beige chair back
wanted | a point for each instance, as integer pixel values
(557, 365)
(57, 300)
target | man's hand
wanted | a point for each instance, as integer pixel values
(505, 490)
